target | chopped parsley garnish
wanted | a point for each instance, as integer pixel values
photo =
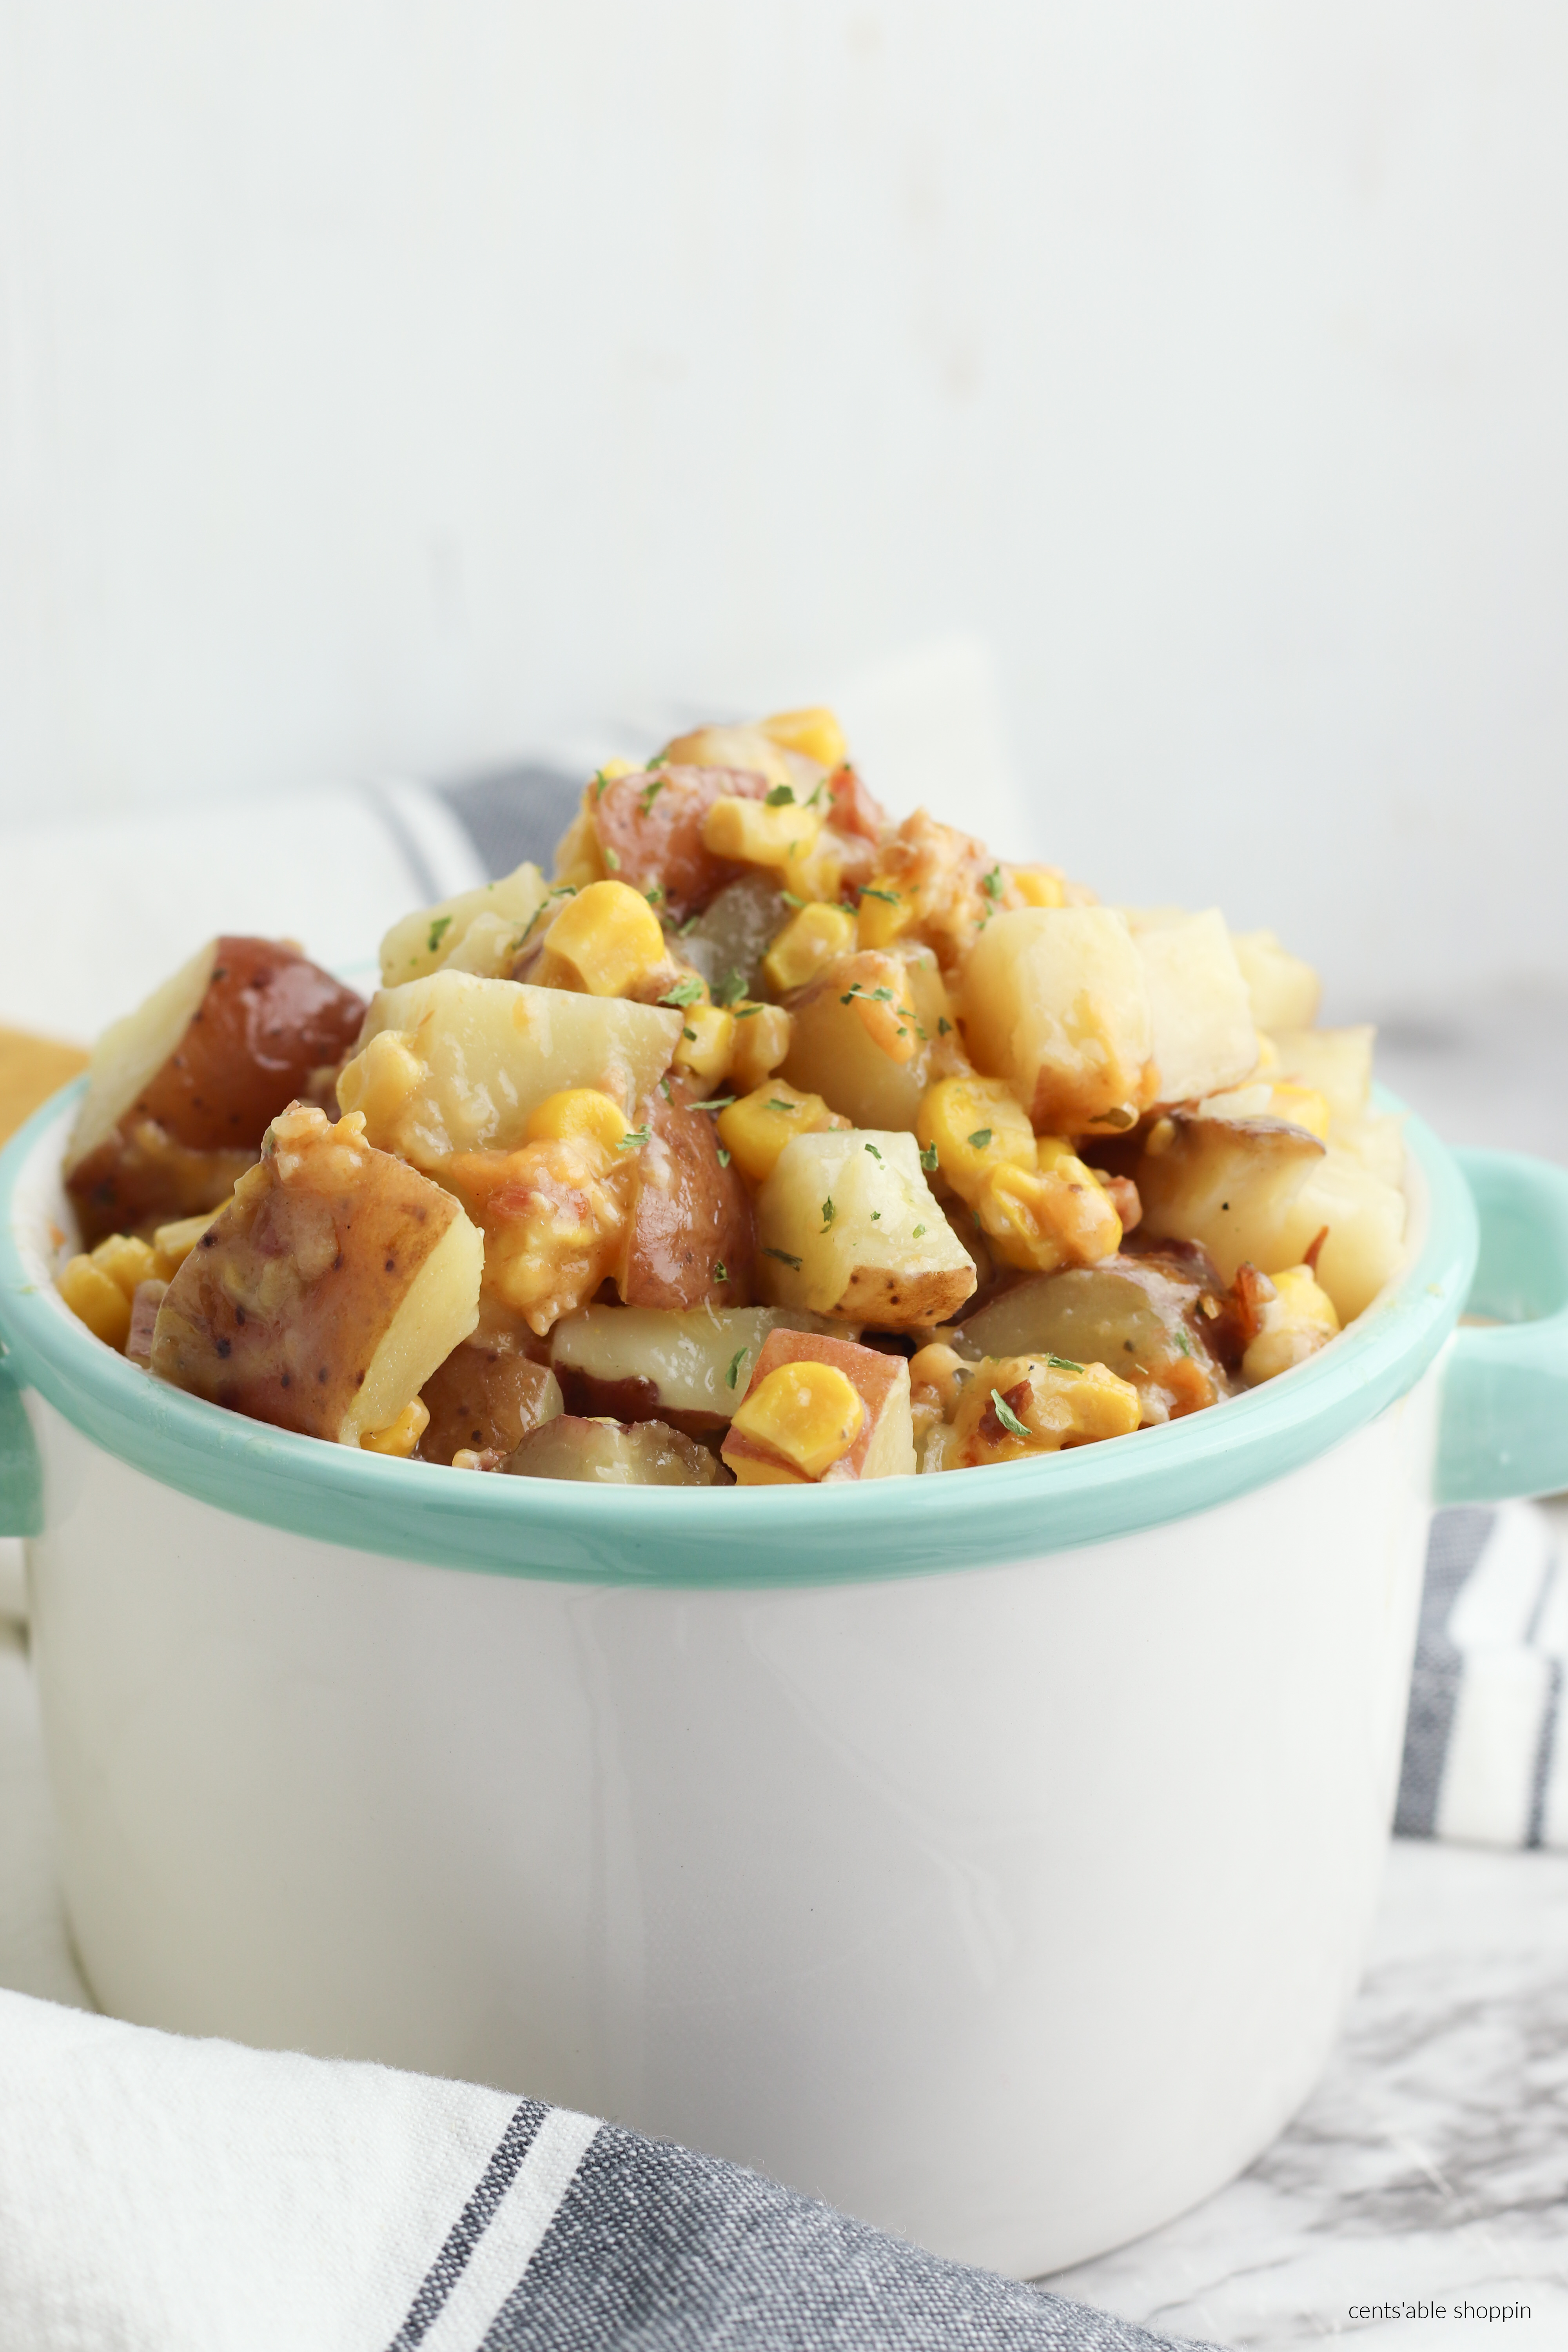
(749, 1012)
(1006, 1416)
(653, 893)
(636, 1139)
(688, 927)
(650, 793)
(981, 1139)
(612, 861)
(888, 898)
(689, 1035)
(992, 883)
(685, 992)
(829, 1213)
(1063, 1364)
(928, 1159)
(730, 989)
(1183, 1343)
(873, 1150)
(600, 781)
(438, 930)
(664, 1090)
(736, 1361)
(720, 1271)
(790, 899)
(723, 1157)
(782, 796)
(876, 1216)
(942, 1025)
(777, 1102)
(782, 1256)
(918, 1232)
(715, 1102)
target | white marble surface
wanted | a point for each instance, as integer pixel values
(1431, 2165)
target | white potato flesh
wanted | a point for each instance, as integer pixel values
(1231, 1184)
(1365, 1218)
(1337, 1062)
(832, 1054)
(132, 1051)
(437, 1315)
(1205, 1037)
(1375, 1142)
(1284, 990)
(472, 1057)
(846, 1227)
(689, 1356)
(1057, 1002)
(430, 937)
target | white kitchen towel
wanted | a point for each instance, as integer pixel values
(165, 2195)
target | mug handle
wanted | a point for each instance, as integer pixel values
(1505, 1394)
(21, 1478)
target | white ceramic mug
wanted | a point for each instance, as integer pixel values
(992, 1855)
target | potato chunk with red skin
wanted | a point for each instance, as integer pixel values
(690, 1236)
(648, 826)
(326, 1294)
(180, 1093)
(485, 1398)
(613, 1454)
(884, 1446)
(1161, 1321)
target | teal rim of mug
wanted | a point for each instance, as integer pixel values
(740, 1537)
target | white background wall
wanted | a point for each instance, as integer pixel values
(403, 384)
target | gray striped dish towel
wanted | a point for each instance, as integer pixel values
(165, 2195)
(1485, 1751)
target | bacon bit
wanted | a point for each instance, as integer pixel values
(1251, 1291)
(1125, 1200)
(854, 808)
(1309, 1256)
(992, 1430)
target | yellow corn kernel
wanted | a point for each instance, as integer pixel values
(807, 944)
(172, 1244)
(1038, 885)
(1016, 1405)
(817, 872)
(1053, 1214)
(941, 1372)
(707, 1039)
(887, 912)
(126, 1261)
(1303, 1107)
(976, 1126)
(754, 1131)
(400, 1437)
(816, 733)
(758, 835)
(379, 1080)
(760, 1044)
(808, 1413)
(1297, 1321)
(605, 940)
(579, 1115)
(97, 1300)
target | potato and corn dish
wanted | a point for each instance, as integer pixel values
(769, 1142)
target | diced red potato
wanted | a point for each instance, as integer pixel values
(613, 1454)
(648, 826)
(485, 1398)
(638, 1363)
(146, 1299)
(457, 1064)
(181, 1091)
(872, 1035)
(1148, 1319)
(327, 1293)
(819, 1411)
(690, 1239)
(1056, 1001)
(848, 1226)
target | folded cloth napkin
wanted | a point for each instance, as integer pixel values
(165, 2195)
